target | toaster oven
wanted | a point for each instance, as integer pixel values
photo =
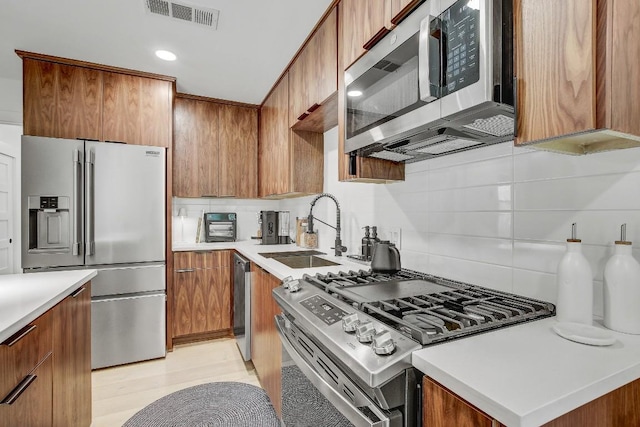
(220, 227)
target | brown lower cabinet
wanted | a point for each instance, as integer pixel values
(201, 294)
(443, 408)
(266, 350)
(50, 361)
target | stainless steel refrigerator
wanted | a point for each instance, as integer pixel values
(88, 204)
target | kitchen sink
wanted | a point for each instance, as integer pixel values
(304, 261)
(290, 254)
(300, 259)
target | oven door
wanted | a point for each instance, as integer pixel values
(394, 88)
(334, 384)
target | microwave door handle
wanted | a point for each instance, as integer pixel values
(424, 81)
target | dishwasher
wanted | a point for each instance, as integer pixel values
(242, 305)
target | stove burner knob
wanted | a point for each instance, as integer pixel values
(294, 286)
(350, 322)
(383, 343)
(365, 332)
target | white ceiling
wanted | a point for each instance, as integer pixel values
(254, 42)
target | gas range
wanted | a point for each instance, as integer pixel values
(353, 333)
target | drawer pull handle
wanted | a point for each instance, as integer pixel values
(16, 392)
(78, 292)
(186, 270)
(19, 335)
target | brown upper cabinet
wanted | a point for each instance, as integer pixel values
(291, 162)
(313, 80)
(215, 151)
(577, 74)
(137, 110)
(64, 98)
(366, 22)
(61, 101)
(357, 169)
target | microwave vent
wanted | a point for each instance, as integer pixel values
(448, 145)
(499, 125)
(184, 12)
(387, 66)
(391, 155)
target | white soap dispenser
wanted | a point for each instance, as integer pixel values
(575, 284)
(622, 288)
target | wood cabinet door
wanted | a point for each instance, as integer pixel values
(195, 148)
(274, 157)
(137, 110)
(72, 359)
(441, 408)
(62, 101)
(34, 407)
(364, 22)
(266, 348)
(156, 107)
(238, 154)
(325, 57)
(121, 116)
(555, 68)
(302, 83)
(401, 8)
(201, 292)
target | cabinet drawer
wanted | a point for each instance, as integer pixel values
(31, 405)
(201, 260)
(22, 352)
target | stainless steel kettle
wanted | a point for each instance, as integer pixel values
(386, 258)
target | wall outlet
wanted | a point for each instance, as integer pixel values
(394, 234)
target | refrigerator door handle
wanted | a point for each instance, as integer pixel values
(77, 201)
(89, 198)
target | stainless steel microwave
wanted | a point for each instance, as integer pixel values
(441, 82)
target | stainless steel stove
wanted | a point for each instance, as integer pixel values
(352, 334)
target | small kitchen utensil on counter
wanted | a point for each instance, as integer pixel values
(366, 248)
(584, 334)
(575, 284)
(386, 258)
(301, 228)
(622, 288)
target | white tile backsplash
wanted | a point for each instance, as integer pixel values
(496, 216)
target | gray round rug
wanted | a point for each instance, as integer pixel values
(223, 404)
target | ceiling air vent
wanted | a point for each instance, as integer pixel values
(184, 12)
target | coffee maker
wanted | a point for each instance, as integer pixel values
(275, 227)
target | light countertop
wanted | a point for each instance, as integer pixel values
(24, 297)
(526, 375)
(251, 250)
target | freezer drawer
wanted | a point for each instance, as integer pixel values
(127, 329)
(120, 280)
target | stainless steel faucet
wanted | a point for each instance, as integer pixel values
(339, 249)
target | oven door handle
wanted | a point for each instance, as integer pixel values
(424, 77)
(338, 400)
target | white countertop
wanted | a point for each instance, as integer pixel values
(251, 250)
(526, 375)
(24, 297)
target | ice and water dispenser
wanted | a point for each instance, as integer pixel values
(49, 223)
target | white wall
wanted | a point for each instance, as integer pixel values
(246, 210)
(10, 101)
(497, 216)
(10, 136)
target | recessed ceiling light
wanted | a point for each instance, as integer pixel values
(166, 55)
(354, 93)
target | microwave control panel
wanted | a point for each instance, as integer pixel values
(461, 37)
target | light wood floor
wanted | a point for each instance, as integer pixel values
(120, 392)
